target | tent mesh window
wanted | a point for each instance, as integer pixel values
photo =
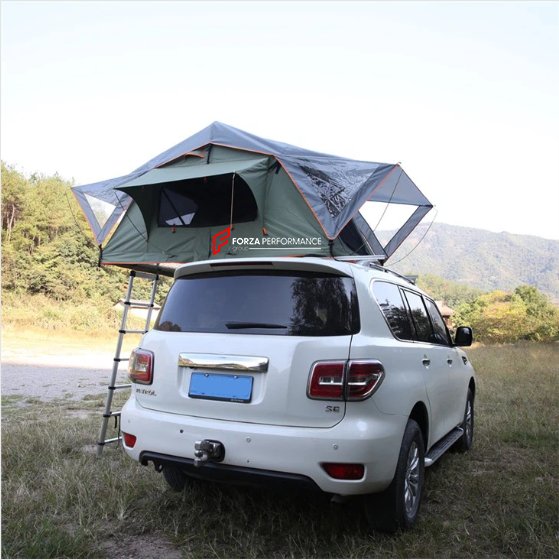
(206, 201)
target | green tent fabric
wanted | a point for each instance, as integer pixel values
(224, 193)
(280, 217)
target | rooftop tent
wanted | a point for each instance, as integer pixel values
(276, 198)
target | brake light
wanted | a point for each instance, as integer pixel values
(344, 471)
(363, 378)
(140, 366)
(326, 381)
(129, 439)
(345, 380)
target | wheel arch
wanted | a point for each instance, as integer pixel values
(472, 387)
(420, 414)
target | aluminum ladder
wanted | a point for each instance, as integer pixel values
(129, 303)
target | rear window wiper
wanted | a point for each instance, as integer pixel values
(251, 325)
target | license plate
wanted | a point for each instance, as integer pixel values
(220, 387)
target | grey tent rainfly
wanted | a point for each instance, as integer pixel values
(225, 184)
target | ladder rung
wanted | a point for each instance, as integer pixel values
(145, 275)
(132, 331)
(111, 414)
(124, 386)
(121, 359)
(139, 304)
(110, 440)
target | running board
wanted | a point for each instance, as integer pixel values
(442, 446)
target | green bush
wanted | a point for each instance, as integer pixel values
(499, 317)
(50, 277)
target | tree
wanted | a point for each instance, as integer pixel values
(13, 198)
(498, 317)
(542, 316)
(452, 293)
(46, 245)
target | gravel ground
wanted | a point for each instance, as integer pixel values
(48, 377)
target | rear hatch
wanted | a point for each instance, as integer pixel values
(237, 342)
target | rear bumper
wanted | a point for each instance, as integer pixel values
(220, 472)
(260, 452)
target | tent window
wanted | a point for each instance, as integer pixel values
(102, 210)
(175, 209)
(352, 238)
(206, 201)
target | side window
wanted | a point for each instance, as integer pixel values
(391, 304)
(439, 327)
(421, 322)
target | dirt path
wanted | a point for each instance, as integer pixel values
(52, 368)
(47, 382)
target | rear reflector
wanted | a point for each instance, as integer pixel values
(129, 439)
(344, 471)
(327, 381)
(140, 366)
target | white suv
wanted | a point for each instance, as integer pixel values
(339, 376)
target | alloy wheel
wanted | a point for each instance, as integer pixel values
(412, 480)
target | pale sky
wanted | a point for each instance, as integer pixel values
(464, 94)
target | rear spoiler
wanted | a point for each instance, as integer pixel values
(311, 264)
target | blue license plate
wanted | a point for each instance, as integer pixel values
(220, 387)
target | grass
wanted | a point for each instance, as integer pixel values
(17, 342)
(499, 500)
(38, 312)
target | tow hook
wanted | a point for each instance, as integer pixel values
(208, 450)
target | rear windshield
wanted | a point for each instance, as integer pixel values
(262, 302)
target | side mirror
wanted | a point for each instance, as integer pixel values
(464, 336)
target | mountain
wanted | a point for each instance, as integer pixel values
(480, 258)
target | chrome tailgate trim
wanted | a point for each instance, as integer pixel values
(254, 364)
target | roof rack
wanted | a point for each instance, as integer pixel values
(376, 261)
(364, 259)
(411, 279)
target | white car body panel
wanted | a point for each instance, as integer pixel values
(279, 395)
(282, 429)
(364, 439)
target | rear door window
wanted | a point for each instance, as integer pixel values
(390, 301)
(420, 318)
(262, 302)
(440, 332)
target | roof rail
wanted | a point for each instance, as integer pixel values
(362, 259)
(377, 261)
(410, 278)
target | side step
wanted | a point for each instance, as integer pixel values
(442, 446)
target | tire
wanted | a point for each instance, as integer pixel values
(175, 478)
(398, 506)
(466, 441)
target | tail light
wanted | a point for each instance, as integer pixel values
(363, 377)
(140, 366)
(129, 439)
(326, 381)
(344, 471)
(344, 380)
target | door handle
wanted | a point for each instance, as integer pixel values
(426, 362)
(449, 361)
